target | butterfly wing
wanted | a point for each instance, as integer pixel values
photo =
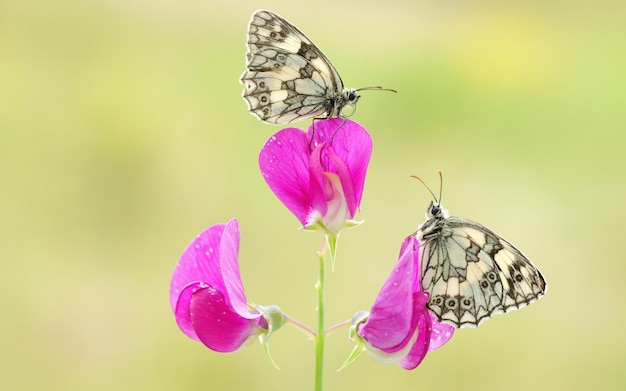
(472, 273)
(287, 78)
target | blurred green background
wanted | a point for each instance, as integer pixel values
(123, 135)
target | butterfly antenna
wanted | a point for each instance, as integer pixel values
(427, 188)
(379, 88)
(440, 185)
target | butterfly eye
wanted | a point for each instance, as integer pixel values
(353, 97)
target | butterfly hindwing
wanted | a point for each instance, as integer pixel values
(288, 78)
(471, 272)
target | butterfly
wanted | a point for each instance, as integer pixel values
(288, 78)
(470, 271)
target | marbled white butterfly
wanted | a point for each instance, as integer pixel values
(288, 78)
(470, 271)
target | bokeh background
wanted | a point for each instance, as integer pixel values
(123, 134)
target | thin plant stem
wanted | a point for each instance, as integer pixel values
(300, 326)
(338, 326)
(321, 336)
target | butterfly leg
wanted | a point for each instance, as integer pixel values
(336, 130)
(332, 137)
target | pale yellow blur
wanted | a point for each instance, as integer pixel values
(123, 134)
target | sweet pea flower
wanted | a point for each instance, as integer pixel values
(207, 296)
(319, 175)
(399, 327)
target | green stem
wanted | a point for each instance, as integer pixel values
(321, 336)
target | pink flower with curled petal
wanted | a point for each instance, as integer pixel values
(206, 292)
(399, 327)
(319, 175)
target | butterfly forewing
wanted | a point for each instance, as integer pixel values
(288, 78)
(471, 272)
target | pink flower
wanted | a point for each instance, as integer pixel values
(319, 175)
(399, 327)
(206, 292)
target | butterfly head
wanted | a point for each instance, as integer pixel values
(436, 211)
(348, 97)
(435, 214)
(434, 223)
(351, 96)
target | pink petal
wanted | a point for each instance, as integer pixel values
(318, 181)
(424, 328)
(182, 310)
(199, 262)
(284, 162)
(293, 162)
(210, 260)
(216, 324)
(391, 322)
(441, 334)
(229, 267)
(347, 183)
(351, 142)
